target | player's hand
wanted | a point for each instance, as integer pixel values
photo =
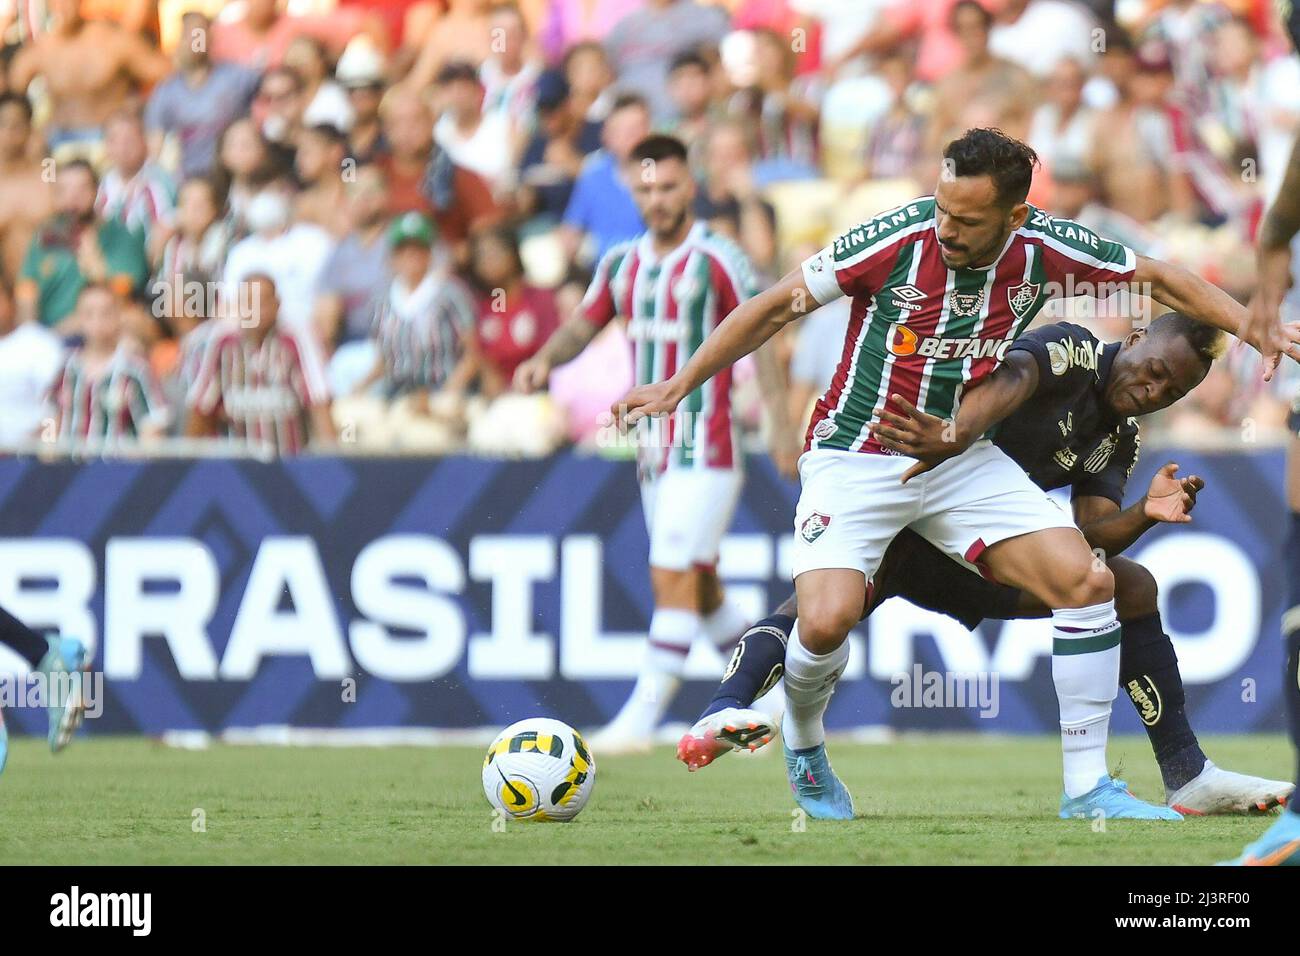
(927, 438)
(645, 401)
(1263, 328)
(532, 375)
(1170, 498)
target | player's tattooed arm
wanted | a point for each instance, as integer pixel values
(563, 346)
(1188, 293)
(932, 440)
(744, 330)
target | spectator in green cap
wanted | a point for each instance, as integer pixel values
(421, 330)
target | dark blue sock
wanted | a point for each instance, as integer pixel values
(1148, 673)
(21, 638)
(755, 666)
(1291, 634)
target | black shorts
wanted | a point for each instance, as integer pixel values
(921, 574)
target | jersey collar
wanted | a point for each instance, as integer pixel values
(1104, 363)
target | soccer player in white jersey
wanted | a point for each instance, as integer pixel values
(672, 285)
(940, 288)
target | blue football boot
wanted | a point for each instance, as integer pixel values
(1111, 800)
(817, 790)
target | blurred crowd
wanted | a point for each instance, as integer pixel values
(342, 224)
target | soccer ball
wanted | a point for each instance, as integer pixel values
(539, 769)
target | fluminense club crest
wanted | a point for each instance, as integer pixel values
(814, 526)
(1022, 297)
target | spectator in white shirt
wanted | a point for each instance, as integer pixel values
(1038, 34)
(30, 358)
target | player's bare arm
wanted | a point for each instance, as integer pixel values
(748, 326)
(564, 345)
(1188, 293)
(1113, 530)
(932, 440)
(1273, 256)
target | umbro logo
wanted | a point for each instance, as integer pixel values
(907, 297)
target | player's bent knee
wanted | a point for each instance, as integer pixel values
(1136, 591)
(1081, 586)
(825, 626)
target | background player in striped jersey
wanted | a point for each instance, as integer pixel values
(672, 285)
(105, 392)
(259, 382)
(1057, 402)
(940, 288)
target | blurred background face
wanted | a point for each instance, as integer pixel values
(411, 263)
(727, 151)
(367, 198)
(690, 88)
(508, 35)
(100, 318)
(125, 145)
(1065, 85)
(317, 157)
(74, 193)
(258, 306)
(461, 98)
(588, 72)
(408, 126)
(282, 96)
(305, 57)
(365, 101)
(494, 262)
(1234, 49)
(772, 57)
(968, 26)
(196, 209)
(624, 129)
(7, 312)
(663, 193)
(242, 150)
(15, 130)
(262, 12)
(192, 49)
(1150, 87)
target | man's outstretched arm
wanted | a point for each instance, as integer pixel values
(744, 330)
(1189, 294)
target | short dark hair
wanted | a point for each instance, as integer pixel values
(657, 147)
(1208, 342)
(691, 57)
(10, 98)
(991, 152)
(329, 133)
(78, 163)
(458, 71)
(629, 101)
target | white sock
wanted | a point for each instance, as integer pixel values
(809, 682)
(1085, 669)
(724, 626)
(671, 632)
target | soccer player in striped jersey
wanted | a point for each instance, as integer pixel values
(105, 393)
(260, 382)
(672, 285)
(940, 288)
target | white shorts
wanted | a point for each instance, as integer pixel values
(687, 511)
(852, 504)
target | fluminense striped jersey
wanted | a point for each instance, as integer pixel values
(671, 303)
(926, 332)
(421, 335)
(262, 391)
(109, 404)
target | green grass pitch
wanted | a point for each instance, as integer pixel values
(924, 799)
